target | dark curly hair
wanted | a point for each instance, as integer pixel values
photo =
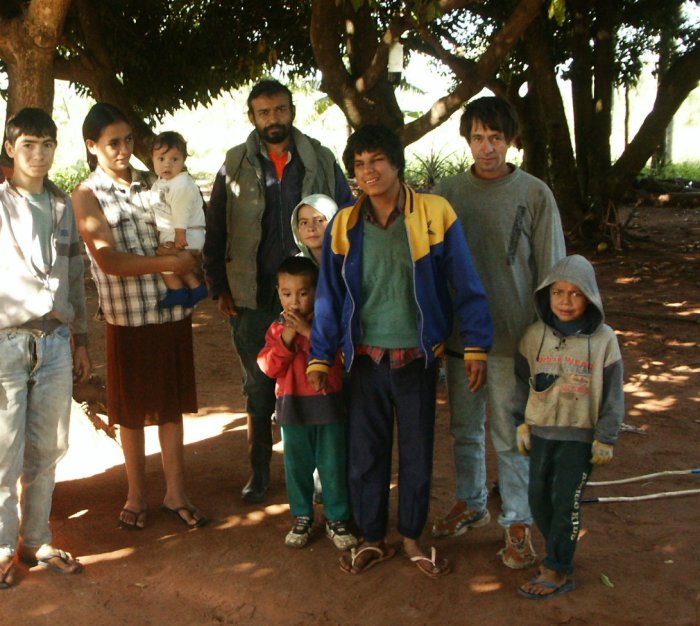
(374, 138)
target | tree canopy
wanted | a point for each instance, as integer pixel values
(149, 57)
(152, 57)
(521, 49)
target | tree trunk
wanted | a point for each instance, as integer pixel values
(581, 88)
(666, 48)
(681, 78)
(363, 94)
(27, 45)
(93, 69)
(604, 79)
(561, 162)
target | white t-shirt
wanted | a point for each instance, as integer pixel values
(178, 204)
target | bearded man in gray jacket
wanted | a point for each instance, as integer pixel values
(249, 234)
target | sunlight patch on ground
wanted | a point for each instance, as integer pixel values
(667, 377)
(92, 452)
(682, 344)
(244, 568)
(105, 557)
(656, 404)
(627, 280)
(232, 521)
(199, 429)
(642, 394)
(634, 384)
(675, 305)
(277, 509)
(254, 517)
(484, 584)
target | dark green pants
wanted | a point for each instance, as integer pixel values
(559, 471)
(307, 448)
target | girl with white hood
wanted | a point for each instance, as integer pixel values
(309, 220)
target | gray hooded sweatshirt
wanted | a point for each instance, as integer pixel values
(570, 376)
(324, 205)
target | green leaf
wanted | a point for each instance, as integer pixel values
(557, 11)
(606, 581)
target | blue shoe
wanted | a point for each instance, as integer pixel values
(554, 590)
(175, 297)
(195, 295)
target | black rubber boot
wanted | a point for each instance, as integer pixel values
(255, 490)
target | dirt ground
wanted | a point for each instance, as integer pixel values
(238, 570)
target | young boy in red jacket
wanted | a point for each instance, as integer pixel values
(313, 423)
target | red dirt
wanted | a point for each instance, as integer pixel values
(238, 571)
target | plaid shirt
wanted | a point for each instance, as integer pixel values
(393, 216)
(398, 357)
(130, 300)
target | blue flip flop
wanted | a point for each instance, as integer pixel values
(557, 590)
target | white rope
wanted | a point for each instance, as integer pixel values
(645, 477)
(650, 496)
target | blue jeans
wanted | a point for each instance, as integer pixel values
(36, 379)
(468, 427)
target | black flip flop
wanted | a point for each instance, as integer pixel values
(202, 521)
(135, 526)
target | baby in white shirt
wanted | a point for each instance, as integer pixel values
(179, 214)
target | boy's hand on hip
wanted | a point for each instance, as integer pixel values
(476, 372)
(524, 441)
(601, 453)
(318, 381)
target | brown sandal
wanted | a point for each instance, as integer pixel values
(439, 567)
(348, 565)
(7, 576)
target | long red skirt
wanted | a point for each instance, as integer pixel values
(150, 373)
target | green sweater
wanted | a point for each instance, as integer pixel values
(388, 313)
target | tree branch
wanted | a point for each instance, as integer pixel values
(473, 78)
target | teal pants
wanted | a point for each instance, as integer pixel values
(307, 448)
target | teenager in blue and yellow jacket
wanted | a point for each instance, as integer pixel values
(394, 267)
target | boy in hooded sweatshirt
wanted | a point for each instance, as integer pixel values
(568, 410)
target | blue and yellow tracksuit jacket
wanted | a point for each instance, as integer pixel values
(444, 280)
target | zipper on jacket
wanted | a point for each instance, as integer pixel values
(352, 312)
(415, 293)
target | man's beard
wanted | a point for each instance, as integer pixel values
(275, 134)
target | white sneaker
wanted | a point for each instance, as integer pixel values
(298, 537)
(339, 534)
